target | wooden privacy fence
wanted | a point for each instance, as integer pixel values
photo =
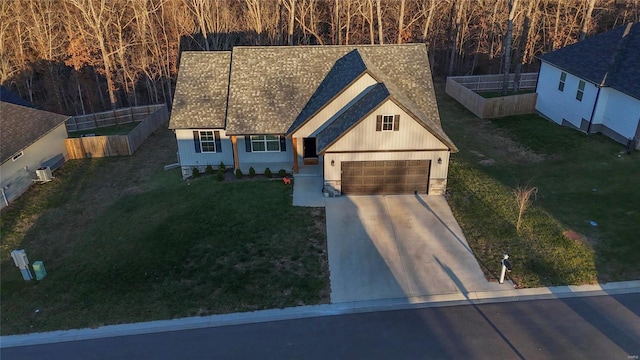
(118, 145)
(463, 89)
(109, 118)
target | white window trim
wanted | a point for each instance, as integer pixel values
(213, 142)
(392, 122)
(17, 156)
(265, 141)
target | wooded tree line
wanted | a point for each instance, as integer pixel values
(82, 56)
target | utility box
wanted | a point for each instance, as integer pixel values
(22, 262)
(38, 268)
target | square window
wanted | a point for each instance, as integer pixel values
(387, 123)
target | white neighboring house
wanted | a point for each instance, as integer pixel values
(364, 117)
(29, 139)
(594, 85)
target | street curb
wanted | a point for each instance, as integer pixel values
(301, 312)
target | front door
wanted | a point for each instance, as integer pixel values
(309, 155)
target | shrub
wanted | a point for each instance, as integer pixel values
(208, 170)
(238, 173)
(221, 166)
(220, 175)
(252, 172)
(195, 172)
(267, 172)
(282, 173)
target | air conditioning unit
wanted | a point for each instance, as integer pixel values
(44, 174)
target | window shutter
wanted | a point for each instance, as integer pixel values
(216, 134)
(396, 122)
(379, 123)
(247, 143)
(196, 141)
(283, 143)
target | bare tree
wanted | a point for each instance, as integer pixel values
(379, 17)
(523, 195)
(524, 39)
(97, 17)
(290, 5)
(513, 4)
(459, 6)
(586, 20)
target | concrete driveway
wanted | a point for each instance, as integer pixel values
(398, 246)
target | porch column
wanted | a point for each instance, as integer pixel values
(295, 155)
(234, 143)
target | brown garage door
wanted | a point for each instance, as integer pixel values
(385, 177)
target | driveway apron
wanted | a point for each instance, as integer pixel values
(398, 246)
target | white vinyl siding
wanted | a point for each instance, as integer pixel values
(327, 114)
(617, 111)
(410, 135)
(15, 178)
(188, 157)
(557, 105)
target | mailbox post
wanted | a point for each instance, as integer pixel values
(20, 259)
(506, 266)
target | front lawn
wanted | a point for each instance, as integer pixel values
(150, 246)
(582, 180)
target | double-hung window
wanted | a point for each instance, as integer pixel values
(387, 123)
(563, 78)
(580, 92)
(265, 143)
(207, 141)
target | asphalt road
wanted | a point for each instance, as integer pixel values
(600, 327)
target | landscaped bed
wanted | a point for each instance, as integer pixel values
(123, 241)
(584, 221)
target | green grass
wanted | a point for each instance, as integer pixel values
(172, 249)
(581, 178)
(494, 94)
(122, 129)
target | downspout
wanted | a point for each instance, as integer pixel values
(593, 111)
(595, 104)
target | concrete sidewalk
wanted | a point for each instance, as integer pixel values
(477, 297)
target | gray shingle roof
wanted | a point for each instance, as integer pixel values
(345, 70)
(21, 126)
(200, 99)
(352, 115)
(274, 90)
(608, 59)
(9, 96)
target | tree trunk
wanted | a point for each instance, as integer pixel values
(401, 21)
(454, 36)
(507, 45)
(379, 16)
(524, 37)
(586, 20)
